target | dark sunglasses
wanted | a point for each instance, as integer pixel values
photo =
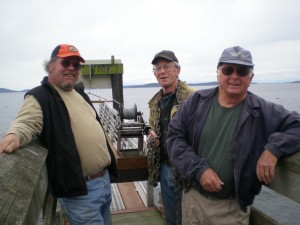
(240, 70)
(66, 64)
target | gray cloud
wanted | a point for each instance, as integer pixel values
(134, 30)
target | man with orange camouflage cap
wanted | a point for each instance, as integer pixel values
(65, 121)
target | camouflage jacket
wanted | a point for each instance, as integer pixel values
(182, 92)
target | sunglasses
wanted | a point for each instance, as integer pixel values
(66, 64)
(240, 70)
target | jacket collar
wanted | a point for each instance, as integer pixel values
(251, 101)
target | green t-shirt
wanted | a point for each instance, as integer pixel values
(216, 145)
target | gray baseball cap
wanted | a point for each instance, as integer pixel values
(164, 54)
(236, 55)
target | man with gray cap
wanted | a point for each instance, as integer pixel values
(163, 106)
(225, 142)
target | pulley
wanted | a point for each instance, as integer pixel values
(130, 114)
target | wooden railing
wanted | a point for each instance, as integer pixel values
(279, 203)
(24, 195)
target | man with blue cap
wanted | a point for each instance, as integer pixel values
(225, 143)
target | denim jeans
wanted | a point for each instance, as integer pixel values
(93, 208)
(169, 194)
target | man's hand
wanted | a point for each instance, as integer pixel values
(210, 181)
(265, 168)
(152, 139)
(9, 143)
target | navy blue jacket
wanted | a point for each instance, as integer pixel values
(261, 125)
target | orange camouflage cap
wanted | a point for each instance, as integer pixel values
(65, 50)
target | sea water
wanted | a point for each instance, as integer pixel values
(286, 94)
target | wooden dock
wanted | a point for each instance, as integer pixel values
(134, 210)
(147, 217)
(24, 185)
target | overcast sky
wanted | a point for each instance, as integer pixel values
(135, 30)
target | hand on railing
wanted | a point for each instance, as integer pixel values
(9, 143)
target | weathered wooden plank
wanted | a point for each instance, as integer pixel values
(287, 183)
(152, 217)
(287, 177)
(281, 203)
(272, 208)
(101, 69)
(49, 209)
(291, 163)
(131, 175)
(23, 184)
(131, 162)
(130, 197)
(117, 89)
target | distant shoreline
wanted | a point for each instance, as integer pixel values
(150, 85)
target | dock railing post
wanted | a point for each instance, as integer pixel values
(150, 196)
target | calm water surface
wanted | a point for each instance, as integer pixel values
(287, 94)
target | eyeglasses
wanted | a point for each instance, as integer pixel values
(240, 70)
(66, 64)
(166, 67)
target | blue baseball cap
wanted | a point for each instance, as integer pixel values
(236, 55)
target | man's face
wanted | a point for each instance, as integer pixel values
(234, 79)
(64, 72)
(166, 74)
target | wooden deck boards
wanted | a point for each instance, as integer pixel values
(149, 217)
(131, 198)
(135, 212)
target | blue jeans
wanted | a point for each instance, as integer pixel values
(169, 194)
(93, 208)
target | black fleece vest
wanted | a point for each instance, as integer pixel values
(63, 163)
